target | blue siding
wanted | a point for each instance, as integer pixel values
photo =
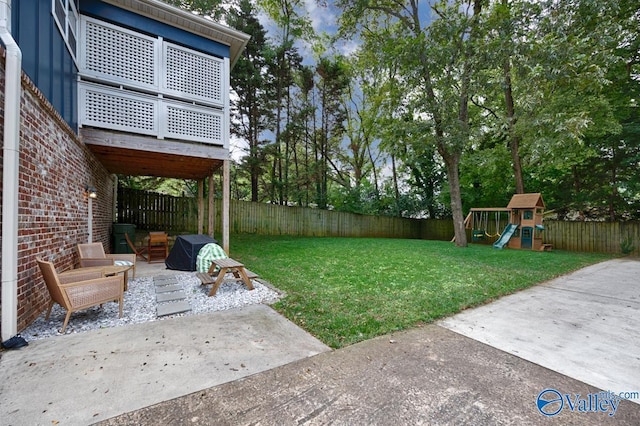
(48, 63)
(45, 58)
(44, 54)
(118, 16)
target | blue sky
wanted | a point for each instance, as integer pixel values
(323, 20)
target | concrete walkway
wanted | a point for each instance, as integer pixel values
(585, 325)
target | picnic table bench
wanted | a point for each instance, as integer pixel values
(225, 265)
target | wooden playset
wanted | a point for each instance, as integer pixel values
(523, 223)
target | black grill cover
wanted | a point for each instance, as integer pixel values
(185, 251)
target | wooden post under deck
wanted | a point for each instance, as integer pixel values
(212, 207)
(200, 206)
(226, 194)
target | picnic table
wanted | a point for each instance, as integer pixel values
(223, 266)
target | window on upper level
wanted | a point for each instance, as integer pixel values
(65, 14)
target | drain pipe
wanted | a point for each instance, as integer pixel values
(10, 165)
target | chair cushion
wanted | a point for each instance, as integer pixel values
(122, 263)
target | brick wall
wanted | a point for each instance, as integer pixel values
(55, 166)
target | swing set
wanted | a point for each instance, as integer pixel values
(486, 223)
(521, 226)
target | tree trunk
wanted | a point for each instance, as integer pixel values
(254, 186)
(287, 147)
(614, 193)
(514, 140)
(452, 161)
(396, 189)
(375, 171)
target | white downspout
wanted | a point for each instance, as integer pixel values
(10, 166)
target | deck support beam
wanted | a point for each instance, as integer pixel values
(226, 196)
(212, 207)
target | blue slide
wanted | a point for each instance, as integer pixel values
(506, 236)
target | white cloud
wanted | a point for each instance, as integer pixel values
(237, 148)
(349, 47)
(323, 18)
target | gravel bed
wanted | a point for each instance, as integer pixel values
(140, 306)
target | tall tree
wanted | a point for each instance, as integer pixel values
(437, 57)
(604, 181)
(252, 107)
(558, 74)
(568, 97)
(333, 81)
(305, 118)
(506, 31)
(292, 26)
(360, 112)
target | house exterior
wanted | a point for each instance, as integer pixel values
(90, 89)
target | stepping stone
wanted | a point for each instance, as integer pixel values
(165, 281)
(165, 277)
(164, 284)
(173, 308)
(168, 297)
(168, 288)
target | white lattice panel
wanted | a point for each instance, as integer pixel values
(119, 55)
(192, 74)
(140, 84)
(117, 110)
(193, 123)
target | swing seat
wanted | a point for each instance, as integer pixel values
(478, 235)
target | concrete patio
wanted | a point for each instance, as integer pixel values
(91, 376)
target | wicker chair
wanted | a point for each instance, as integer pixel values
(92, 254)
(77, 290)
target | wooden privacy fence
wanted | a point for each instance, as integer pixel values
(151, 211)
(179, 215)
(599, 237)
(269, 219)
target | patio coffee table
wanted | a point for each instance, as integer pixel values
(107, 270)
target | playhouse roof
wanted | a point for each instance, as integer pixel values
(526, 201)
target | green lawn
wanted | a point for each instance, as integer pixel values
(344, 290)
